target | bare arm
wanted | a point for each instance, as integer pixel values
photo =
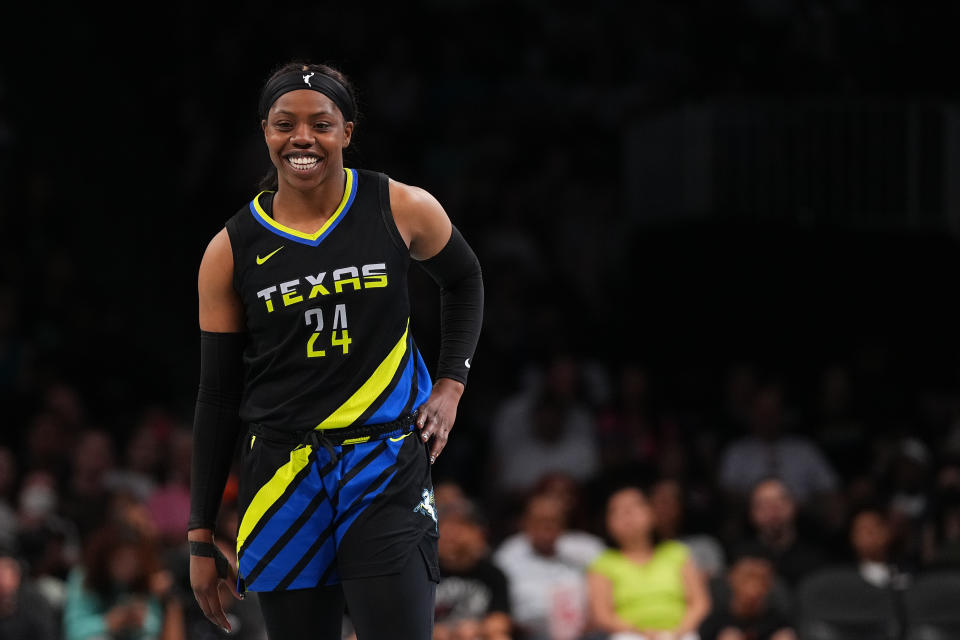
(698, 598)
(602, 613)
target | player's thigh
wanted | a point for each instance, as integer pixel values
(400, 605)
(303, 614)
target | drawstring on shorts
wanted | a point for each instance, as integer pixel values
(330, 438)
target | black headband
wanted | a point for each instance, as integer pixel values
(294, 80)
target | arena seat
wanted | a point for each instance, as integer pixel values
(932, 606)
(835, 603)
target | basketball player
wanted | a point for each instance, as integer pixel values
(305, 339)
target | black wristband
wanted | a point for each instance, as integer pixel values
(456, 269)
(210, 550)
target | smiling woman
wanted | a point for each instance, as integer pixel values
(310, 348)
(332, 114)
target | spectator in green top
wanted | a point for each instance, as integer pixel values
(644, 588)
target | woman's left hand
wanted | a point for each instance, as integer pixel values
(436, 416)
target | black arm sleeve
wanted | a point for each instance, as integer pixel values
(457, 271)
(216, 423)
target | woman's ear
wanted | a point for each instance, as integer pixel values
(347, 133)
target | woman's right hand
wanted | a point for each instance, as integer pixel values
(116, 618)
(206, 587)
(127, 615)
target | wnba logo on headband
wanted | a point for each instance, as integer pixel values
(294, 80)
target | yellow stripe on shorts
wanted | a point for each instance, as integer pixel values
(271, 491)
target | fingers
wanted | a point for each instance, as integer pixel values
(206, 590)
(439, 442)
(424, 417)
(432, 425)
(232, 583)
(210, 605)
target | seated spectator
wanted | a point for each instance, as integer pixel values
(47, 445)
(669, 509)
(748, 613)
(625, 427)
(545, 564)
(87, 494)
(47, 541)
(769, 451)
(773, 515)
(472, 597)
(571, 494)
(140, 469)
(119, 589)
(909, 480)
(644, 587)
(448, 493)
(548, 428)
(944, 541)
(169, 504)
(838, 428)
(24, 612)
(871, 539)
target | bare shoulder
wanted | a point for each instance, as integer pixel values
(402, 192)
(420, 218)
(408, 200)
(218, 256)
(220, 306)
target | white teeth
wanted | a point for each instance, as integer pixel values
(304, 162)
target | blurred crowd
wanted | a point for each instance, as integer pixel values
(599, 512)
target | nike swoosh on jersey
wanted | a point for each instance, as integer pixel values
(267, 257)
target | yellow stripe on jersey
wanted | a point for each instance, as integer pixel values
(271, 491)
(347, 413)
(347, 190)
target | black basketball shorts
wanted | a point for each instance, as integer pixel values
(336, 505)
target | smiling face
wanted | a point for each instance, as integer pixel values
(306, 135)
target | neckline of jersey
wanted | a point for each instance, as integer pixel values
(315, 238)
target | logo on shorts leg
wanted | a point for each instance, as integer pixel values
(427, 506)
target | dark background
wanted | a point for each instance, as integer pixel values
(127, 142)
(128, 139)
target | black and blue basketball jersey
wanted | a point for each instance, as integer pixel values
(328, 314)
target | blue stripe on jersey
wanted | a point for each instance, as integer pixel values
(423, 382)
(397, 400)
